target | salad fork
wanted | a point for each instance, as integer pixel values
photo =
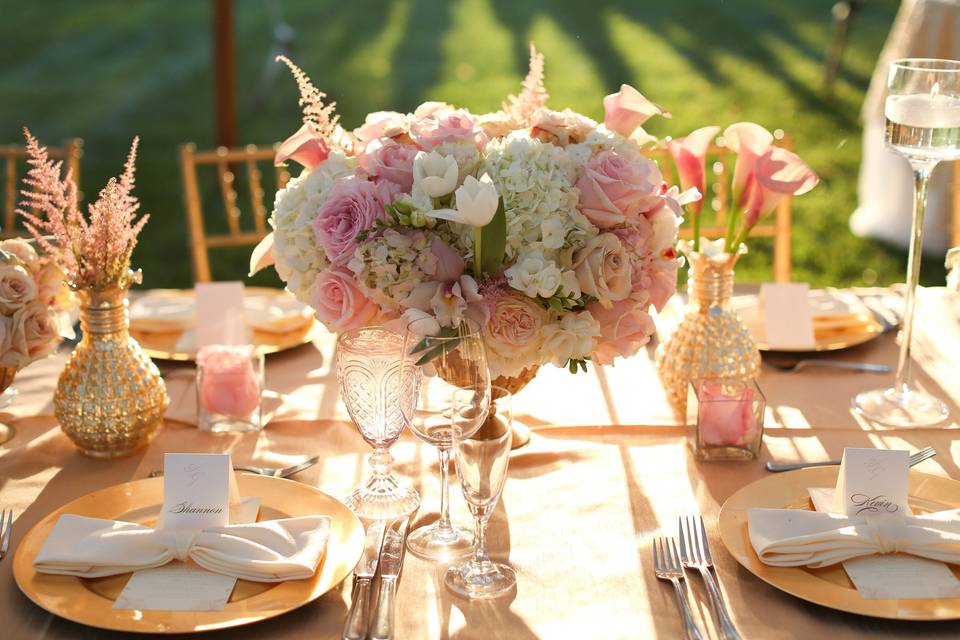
(695, 554)
(667, 566)
(6, 526)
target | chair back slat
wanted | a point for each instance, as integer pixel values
(14, 158)
(237, 171)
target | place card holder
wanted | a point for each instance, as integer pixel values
(230, 382)
(725, 418)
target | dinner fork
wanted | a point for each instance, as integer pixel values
(835, 364)
(776, 467)
(273, 472)
(695, 554)
(6, 526)
(666, 565)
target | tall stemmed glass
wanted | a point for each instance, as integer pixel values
(482, 460)
(378, 386)
(455, 363)
(923, 124)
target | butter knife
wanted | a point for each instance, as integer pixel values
(357, 619)
(391, 562)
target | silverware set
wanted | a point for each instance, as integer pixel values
(799, 365)
(383, 548)
(273, 472)
(6, 527)
(777, 467)
(694, 553)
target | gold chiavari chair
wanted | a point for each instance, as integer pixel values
(720, 161)
(231, 167)
(13, 160)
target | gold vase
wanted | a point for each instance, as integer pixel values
(110, 398)
(711, 340)
(6, 379)
(513, 384)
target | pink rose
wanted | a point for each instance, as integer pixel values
(304, 146)
(384, 159)
(13, 346)
(446, 126)
(726, 415)
(354, 205)
(561, 127)
(603, 269)
(339, 303)
(22, 250)
(34, 331)
(17, 288)
(381, 124)
(514, 332)
(627, 109)
(624, 328)
(230, 385)
(614, 189)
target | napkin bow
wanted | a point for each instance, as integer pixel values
(270, 551)
(794, 537)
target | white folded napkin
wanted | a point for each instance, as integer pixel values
(269, 551)
(795, 537)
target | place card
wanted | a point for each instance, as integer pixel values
(220, 314)
(196, 490)
(789, 322)
(872, 482)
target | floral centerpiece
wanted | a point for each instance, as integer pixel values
(552, 231)
(110, 399)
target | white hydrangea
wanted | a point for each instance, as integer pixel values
(574, 336)
(536, 182)
(298, 258)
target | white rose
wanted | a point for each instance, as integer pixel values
(435, 174)
(535, 275)
(554, 235)
(575, 336)
(17, 288)
(603, 269)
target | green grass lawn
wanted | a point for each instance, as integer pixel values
(106, 70)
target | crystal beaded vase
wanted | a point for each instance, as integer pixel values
(110, 398)
(711, 340)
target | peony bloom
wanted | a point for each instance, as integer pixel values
(777, 173)
(443, 125)
(573, 338)
(689, 154)
(749, 141)
(627, 110)
(381, 124)
(384, 159)
(603, 269)
(304, 146)
(339, 303)
(614, 189)
(17, 288)
(353, 205)
(624, 328)
(513, 334)
(535, 275)
(434, 174)
(229, 385)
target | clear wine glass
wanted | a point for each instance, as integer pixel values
(455, 363)
(378, 386)
(482, 460)
(923, 124)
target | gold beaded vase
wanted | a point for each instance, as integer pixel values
(711, 340)
(110, 398)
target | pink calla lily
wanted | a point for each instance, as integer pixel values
(777, 173)
(689, 154)
(262, 255)
(749, 141)
(304, 146)
(627, 109)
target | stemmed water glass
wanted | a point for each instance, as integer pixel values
(378, 386)
(455, 363)
(923, 124)
(482, 460)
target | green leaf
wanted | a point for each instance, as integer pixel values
(493, 237)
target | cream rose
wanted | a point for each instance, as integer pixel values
(17, 288)
(513, 334)
(35, 330)
(13, 348)
(603, 269)
(22, 250)
(575, 336)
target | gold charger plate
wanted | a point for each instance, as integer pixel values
(162, 345)
(830, 586)
(864, 330)
(90, 601)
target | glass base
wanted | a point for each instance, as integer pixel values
(6, 432)
(901, 409)
(433, 543)
(383, 498)
(489, 580)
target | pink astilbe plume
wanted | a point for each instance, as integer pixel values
(94, 254)
(321, 117)
(533, 96)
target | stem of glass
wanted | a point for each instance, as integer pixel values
(444, 523)
(480, 556)
(921, 177)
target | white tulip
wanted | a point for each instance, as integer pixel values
(477, 202)
(436, 175)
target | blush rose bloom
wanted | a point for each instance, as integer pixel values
(354, 205)
(304, 146)
(513, 334)
(561, 127)
(603, 269)
(339, 303)
(384, 159)
(381, 124)
(17, 288)
(34, 331)
(614, 190)
(724, 419)
(446, 126)
(230, 385)
(623, 330)
(22, 250)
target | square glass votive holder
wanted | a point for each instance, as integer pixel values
(230, 381)
(725, 418)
